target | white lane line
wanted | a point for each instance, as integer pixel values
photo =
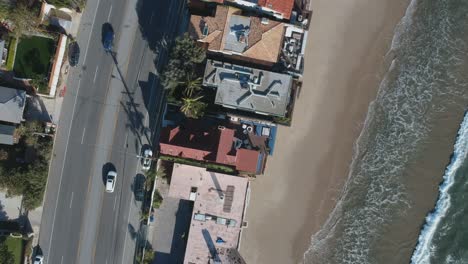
(91, 33)
(71, 200)
(95, 74)
(82, 137)
(69, 131)
(115, 202)
(63, 166)
(61, 260)
(110, 12)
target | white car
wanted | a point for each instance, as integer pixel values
(39, 259)
(147, 156)
(110, 182)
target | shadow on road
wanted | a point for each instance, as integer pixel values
(132, 231)
(105, 169)
(135, 116)
(152, 103)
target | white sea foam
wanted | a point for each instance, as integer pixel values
(424, 248)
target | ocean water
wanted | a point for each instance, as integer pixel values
(444, 237)
(397, 164)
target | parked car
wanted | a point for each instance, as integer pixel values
(147, 157)
(110, 182)
(39, 259)
(73, 53)
(139, 187)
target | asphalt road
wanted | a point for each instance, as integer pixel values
(104, 120)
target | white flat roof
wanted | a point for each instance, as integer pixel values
(217, 213)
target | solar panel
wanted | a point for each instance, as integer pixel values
(229, 197)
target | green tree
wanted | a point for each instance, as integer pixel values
(192, 107)
(24, 18)
(6, 256)
(184, 57)
(191, 84)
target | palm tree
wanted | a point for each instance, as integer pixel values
(192, 107)
(191, 84)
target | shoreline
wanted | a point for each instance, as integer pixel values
(344, 64)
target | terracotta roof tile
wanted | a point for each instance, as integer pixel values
(247, 160)
(282, 6)
(269, 47)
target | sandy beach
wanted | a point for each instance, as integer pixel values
(345, 62)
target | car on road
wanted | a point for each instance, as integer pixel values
(139, 187)
(73, 53)
(39, 259)
(107, 37)
(110, 181)
(147, 157)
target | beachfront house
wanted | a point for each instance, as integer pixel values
(232, 146)
(249, 89)
(12, 103)
(228, 32)
(219, 202)
(280, 9)
(249, 39)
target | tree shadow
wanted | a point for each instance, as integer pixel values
(3, 214)
(132, 231)
(135, 116)
(153, 104)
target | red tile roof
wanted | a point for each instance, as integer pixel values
(247, 160)
(183, 152)
(282, 6)
(214, 144)
(226, 140)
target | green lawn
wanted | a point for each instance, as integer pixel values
(15, 246)
(34, 57)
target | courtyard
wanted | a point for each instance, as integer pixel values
(33, 60)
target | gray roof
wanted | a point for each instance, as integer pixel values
(12, 102)
(237, 38)
(249, 89)
(6, 134)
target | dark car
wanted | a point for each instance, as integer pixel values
(107, 37)
(73, 53)
(139, 187)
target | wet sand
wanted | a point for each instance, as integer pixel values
(344, 64)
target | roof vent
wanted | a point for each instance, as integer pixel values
(205, 30)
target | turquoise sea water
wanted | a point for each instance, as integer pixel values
(379, 216)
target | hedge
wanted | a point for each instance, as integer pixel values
(11, 54)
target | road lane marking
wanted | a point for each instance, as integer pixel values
(91, 33)
(61, 260)
(110, 12)
(71, 200)
(82, 137)
(115, 202)
(63, 166)
(95, 74)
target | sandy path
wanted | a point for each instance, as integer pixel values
(344, 65)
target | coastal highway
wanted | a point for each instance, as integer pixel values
(111, 109)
